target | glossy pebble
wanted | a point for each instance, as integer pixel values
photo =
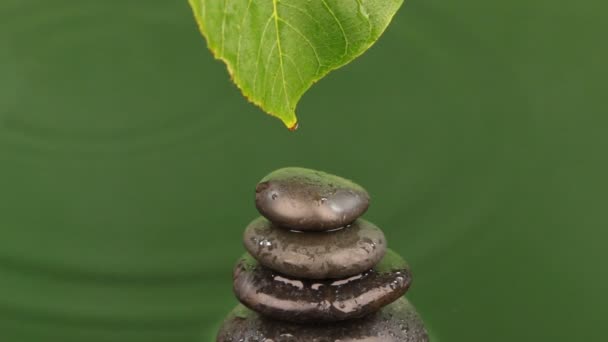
(398, 322)
(316, 255)
(303, 300)
(309, 200)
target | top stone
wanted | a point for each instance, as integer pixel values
(308, 200)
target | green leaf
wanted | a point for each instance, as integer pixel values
(276, 49)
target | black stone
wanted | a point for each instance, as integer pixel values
(300, 300)
(316, 255)
(309, 200)
(398, 322)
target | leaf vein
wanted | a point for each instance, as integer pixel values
(224, 14)
(314, 50)
(204, 9)
(302, 11)
(346, 43)
(295, 66)
(276, 24)
(267, 64)
(238, 49)
(369, 22)
(274, 83)
(257, 62)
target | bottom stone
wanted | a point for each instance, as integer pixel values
(397, 322)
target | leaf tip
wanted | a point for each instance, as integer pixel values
(294, 126)
(290, 120)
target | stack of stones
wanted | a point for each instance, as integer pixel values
(315, 271)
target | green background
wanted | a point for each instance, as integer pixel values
(128, 162)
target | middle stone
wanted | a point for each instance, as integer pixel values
(316, 255)
(304, 300)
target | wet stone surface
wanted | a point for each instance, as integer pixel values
(309, 200)
(316, 255)
(304, 300)
(398, 322)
